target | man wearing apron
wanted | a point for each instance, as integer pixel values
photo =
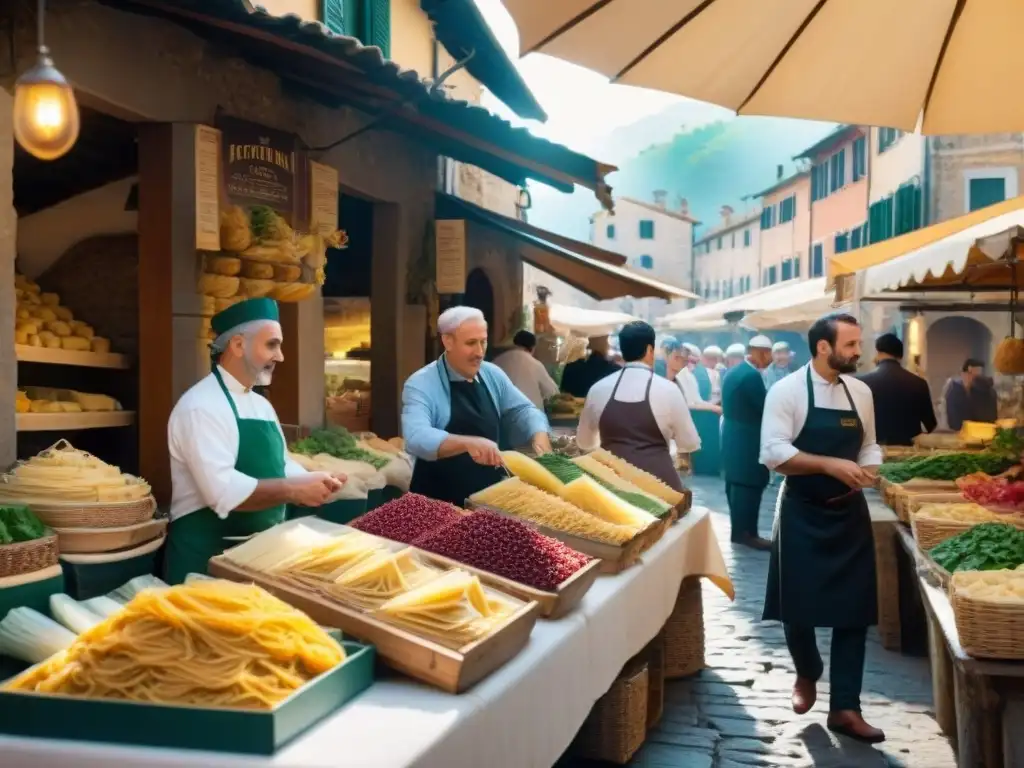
(819, 432)
(459, 411)
(743, 395)
(636, 414)
(230, 475)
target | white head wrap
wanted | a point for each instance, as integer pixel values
(736, 350)
(760, 342)
(452, 319)
(780, 346)
(713, 350)
(693, 349)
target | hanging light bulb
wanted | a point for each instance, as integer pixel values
(46, 120)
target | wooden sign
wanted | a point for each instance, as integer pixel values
(323, 198)
(450, 249)
(260, 167)
(207, 160)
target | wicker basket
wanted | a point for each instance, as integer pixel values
(654, 653)
(684, 632)
(109, 515)
(28, 556)
(617, 725)
(989, 630)
(88, 540)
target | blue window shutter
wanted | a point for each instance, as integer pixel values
(986, 192)
(376, 25)
(796, 266)
(746, 238)
(333, 16)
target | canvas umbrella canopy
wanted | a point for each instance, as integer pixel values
(865, 62)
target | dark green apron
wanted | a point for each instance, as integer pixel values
(708, 460)
(822, 567)
(473, 413)
(195, 538)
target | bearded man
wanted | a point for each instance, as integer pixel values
(818, 431)
(230, 473)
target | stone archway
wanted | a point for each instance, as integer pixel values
(949, 342)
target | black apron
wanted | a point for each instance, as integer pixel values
(473, 414)
(822, 567)
(630, 431)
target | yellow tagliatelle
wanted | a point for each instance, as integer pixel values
(210, 643)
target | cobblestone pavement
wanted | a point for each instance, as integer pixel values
(737, 712)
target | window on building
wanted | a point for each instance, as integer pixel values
(787, 209)
(368, 20)
(646, 262)
(696, 287)
(646, 229)
(768, 217)
(749, 280)
(609, 231)
(837, 170)
(719, 244)
(764, 277)
(787, 270)
(817, 261)
(733, 240)
(982, 192)
(796, 266)
(819, 181)
(887, 137)
(746, 238)
(860, 159)
(842, 242)
(773, 274)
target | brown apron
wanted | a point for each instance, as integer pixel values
(630, 431)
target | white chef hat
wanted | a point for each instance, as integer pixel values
(780, 346)
(693, 349)
(713, 350)
(735, 350)
(760, 342)
(452, 318)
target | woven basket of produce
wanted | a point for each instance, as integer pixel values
(28, 556)
(915, 501)
(932, 524)
(988, 607)
(617, 725)
(684, 632)
(109, 515)
(87, 540)
(654, 654)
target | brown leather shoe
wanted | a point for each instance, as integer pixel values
(805, 693)
(849, 722)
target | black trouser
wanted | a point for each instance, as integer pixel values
(846, 668)
(744, 509)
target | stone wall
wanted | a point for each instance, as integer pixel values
(953, 156)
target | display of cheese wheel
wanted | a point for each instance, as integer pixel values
(229, 266)
(292, 292)
(100, 345)
(255, 289)
(256, 270)
(218, 286)
(529, 471)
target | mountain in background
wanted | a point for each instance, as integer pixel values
(714, 159)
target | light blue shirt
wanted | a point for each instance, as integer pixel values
(773, 374)
(426, 408)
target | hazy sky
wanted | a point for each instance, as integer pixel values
(581, 105)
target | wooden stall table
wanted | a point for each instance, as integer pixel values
(979, 704)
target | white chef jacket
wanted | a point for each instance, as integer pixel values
(785, 413)
(716, 385)
(667, 405)
(528, 374)
(687, 384)
(202, 436)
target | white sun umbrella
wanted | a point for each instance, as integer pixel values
(586, 322)
(866, 62)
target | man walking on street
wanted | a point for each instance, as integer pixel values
(819, 432)
(903, 402)
(743, 395)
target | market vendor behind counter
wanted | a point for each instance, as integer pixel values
(458, 410)
(230, 473)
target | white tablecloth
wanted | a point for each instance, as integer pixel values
(522, 716)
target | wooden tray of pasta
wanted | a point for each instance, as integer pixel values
(418, 657)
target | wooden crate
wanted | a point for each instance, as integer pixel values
(450, 670)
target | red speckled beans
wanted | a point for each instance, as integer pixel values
(407, 517)
(505, 547)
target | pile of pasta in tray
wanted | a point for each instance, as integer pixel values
(391, 582)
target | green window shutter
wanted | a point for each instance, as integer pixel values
(332, 14)
(376, 25)
(985, 192)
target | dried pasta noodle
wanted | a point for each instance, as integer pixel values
(381, 577)
(529, 503)
(1004, 587)
(63, 474)
(209, 643)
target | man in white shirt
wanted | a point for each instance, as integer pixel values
(818, 431)
(230, 474)
(527, 373)
(711, 359)
(637, 415)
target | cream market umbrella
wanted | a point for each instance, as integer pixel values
(866, 62)
(586, 322)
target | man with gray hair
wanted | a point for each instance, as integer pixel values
(458, 410)
(779, 369)
(230, 472)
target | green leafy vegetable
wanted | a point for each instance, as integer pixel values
(566, 470)
(339, 443)
(1008, 443)
(19, 524)
(947, 466)
(985, 547)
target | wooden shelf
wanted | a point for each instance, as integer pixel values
(27, 354)
(67, 422)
